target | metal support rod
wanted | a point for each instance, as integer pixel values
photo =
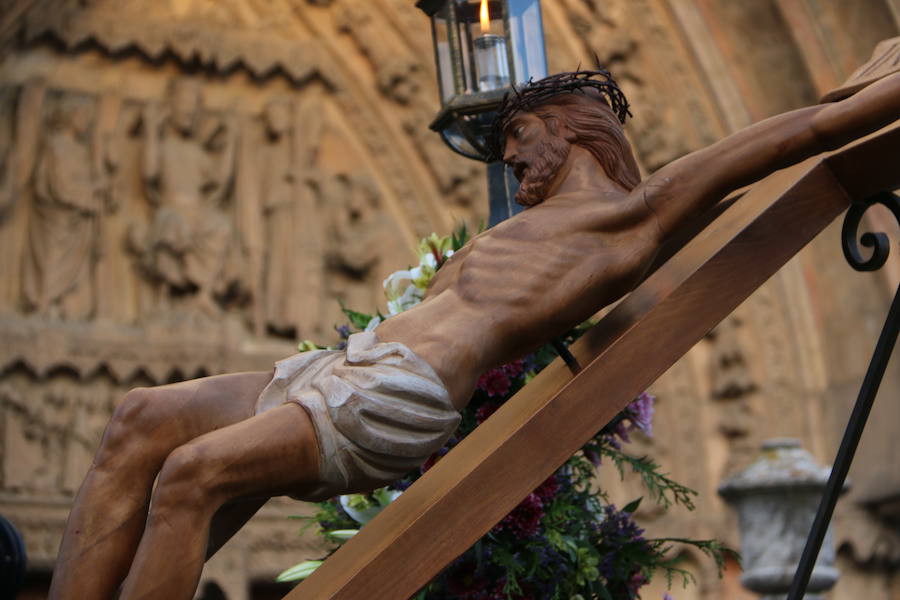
(502, 188)
(567, 356)
(850, 441)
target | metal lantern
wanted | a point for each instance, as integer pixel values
(776, 499)
(482, 49)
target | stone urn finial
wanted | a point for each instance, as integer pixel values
(776, 499)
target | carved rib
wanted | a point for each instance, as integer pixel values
(486, 476)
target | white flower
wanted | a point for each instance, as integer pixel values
(373, 323)
(361, 510)
(396, 283)
(428, 260)
(298, 572)
(411, 296)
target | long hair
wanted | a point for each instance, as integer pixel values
(595, 128)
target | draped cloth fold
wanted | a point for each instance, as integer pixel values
(379, 411)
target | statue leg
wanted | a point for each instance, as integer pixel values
(110, 510)
(270, 454)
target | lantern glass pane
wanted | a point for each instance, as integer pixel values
(526, 34)
(443, 55)
(455, 138)
(483, 36)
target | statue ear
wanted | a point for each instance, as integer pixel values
(567, 134)
(558, 127)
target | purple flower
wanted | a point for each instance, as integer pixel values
(666, 596)
(515, 368)
(343, 331)
(640, 412)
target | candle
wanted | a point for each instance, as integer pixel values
(490, 55)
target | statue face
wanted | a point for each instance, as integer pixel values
(535, 154)
(80, 119)
(184, 102)
(277, 117)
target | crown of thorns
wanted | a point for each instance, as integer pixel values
(534, 93)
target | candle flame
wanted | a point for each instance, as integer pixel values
(485, 17)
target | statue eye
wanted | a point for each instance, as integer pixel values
(518, 132)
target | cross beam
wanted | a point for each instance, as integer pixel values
(465, 494)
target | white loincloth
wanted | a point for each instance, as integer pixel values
(378, 409)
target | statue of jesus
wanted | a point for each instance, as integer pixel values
(332, 422)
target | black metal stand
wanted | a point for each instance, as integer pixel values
(13, 560)
(502, 188)
(880, 246)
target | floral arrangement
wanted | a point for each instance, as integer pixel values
(564, 540)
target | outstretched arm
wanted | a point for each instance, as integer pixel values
(691, 184)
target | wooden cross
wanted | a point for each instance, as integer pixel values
(697, 282)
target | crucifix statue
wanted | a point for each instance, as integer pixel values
(332, 422)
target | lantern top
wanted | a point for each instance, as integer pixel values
(783, 465)
(429, 7)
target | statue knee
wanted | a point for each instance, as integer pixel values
(186, 483)
(131, 428)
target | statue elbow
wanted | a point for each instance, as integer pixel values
(823, 133)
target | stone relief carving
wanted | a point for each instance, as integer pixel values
(180, 214)
(656, 130)
(70, 188)
(278, 203)
(732, 385)
(396, 70)
(7, 155)
(188, 168)
(51, 429)
(461, 181)
(363, 245)
(405, 81)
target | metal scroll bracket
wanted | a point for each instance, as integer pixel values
(880, 247)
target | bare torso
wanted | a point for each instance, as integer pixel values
(519, 284)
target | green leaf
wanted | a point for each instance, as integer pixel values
(632, 506)
(459, 237)
(357, 319)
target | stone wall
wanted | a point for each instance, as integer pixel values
(190, 187)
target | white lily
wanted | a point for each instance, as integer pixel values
(299, 571)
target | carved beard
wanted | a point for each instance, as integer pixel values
(550, 155)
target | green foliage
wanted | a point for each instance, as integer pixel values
(358, 320)
(664, 490)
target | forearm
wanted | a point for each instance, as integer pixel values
(868, 110)
(694, 183)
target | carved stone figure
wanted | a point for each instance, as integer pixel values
(7, 156)
(62, 231)
(397, 72)
(187, 180)
(459, 178)
(732, 386)
(278, 201)
(331, 422)
(364, 245)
